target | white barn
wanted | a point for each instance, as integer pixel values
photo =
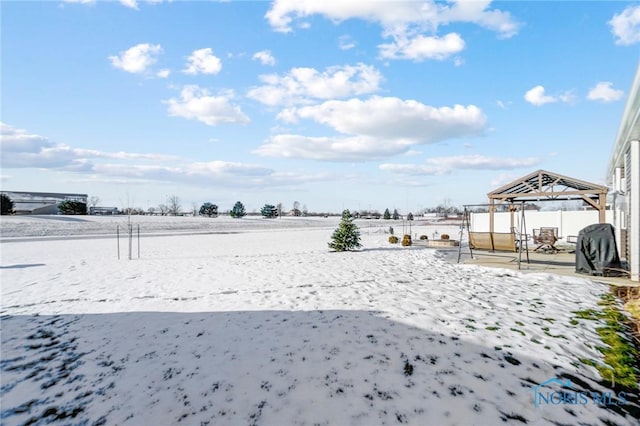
(40, 202)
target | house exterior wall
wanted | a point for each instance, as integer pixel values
(624, 177)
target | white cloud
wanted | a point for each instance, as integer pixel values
(203, 61)
(422, 47)
(354, 148)
(375, 128)
(405, 22)
(25, 150)
(196, 103)
(21, 149)
(394, 118)
(301, 84)
(477, 12)
(345, 42)
(265, 57)
(393, 16)
(445, 165)
(132, 4)
(604, 92)
(138, 58)
(626, 26)
(537, 96)
(163, 73)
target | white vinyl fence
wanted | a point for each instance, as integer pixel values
(567, 222)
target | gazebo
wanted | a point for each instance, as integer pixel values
(547, 186)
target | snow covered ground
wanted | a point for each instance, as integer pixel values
(254, 321)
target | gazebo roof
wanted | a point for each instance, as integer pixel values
(547, 185)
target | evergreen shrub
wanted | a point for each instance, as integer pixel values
(347, 236)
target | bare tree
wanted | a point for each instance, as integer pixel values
(174, 205)
(93, 201)
(296, 208)
(163, 209)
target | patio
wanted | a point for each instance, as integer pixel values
(561, 262)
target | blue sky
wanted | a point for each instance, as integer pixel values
(350, 104)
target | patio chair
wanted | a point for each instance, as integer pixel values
(545, 239)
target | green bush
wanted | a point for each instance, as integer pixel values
(238, 210)
(393, 239)
(269, 211)
(424, 237)
(7, 204)
(444, 236)
(209, 210)
(406, 240)
(72, 207)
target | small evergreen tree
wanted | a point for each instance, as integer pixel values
(209, 210)
(238, 210)
(410, 216)
(269, 211)
(386, 215)
(396, 216)
(347, 236)
(72, 207)
(6, 204)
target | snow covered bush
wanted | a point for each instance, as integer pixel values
(393, 239)
(444, 236)
(424, 237)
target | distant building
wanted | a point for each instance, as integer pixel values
(624, 177)
(103, 210)
(40, 202)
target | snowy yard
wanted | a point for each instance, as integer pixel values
(254, 321)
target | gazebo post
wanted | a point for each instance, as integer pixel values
(511, 211)
(602, 207)
(492, 208)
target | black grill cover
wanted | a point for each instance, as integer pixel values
(596, 250)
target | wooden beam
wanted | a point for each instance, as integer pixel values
(544, 194)
(602, 201)
(540, 180)
(591, 202)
